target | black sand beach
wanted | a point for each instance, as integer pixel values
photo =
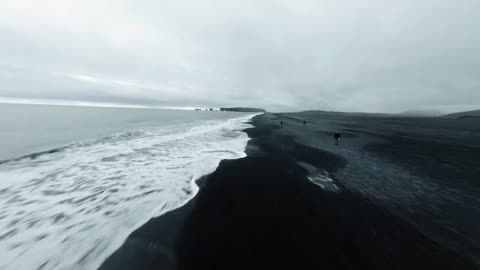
(404, 195)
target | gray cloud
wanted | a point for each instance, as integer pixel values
(352, 55)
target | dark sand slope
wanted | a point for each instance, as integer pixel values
(262, 212)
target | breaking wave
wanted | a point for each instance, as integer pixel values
(71, 207)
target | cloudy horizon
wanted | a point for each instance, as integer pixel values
(368, 55)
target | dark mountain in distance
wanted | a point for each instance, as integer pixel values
(422, 113)
(241, 109)
(347, 113)
(468, 114)
(408, 114)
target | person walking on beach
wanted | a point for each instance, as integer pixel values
(337, 137)
(281, 123)
(304, 123)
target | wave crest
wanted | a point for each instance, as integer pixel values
(71, 207)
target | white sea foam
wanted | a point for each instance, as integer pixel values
(319, 177)
(70, 209)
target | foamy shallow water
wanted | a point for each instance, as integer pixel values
(72, 208)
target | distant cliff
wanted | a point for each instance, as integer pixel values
(470, 114)
(242, 109)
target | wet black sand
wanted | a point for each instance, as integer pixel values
(262, 211)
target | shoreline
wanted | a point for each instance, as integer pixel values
(262, 211)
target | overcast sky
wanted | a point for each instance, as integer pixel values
(350, 55)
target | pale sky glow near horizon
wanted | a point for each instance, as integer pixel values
(79, 103)
(353, 55)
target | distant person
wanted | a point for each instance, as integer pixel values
(304, 123)
(337, 137)
(281, 123)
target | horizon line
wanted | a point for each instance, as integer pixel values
(81, 103)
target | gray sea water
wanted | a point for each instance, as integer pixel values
(76, 181)
(27, 129)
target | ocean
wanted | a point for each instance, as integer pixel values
(76, 181)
